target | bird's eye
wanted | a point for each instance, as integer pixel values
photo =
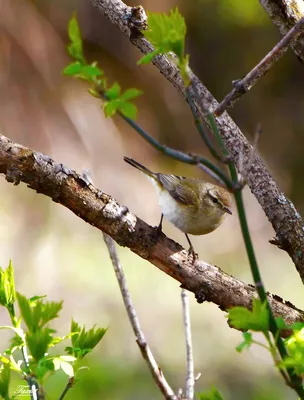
(215, 200)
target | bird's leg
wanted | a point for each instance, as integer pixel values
(191, 249)
(159, 228)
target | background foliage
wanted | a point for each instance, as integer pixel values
(56, 254)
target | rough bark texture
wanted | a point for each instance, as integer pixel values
(64, 186)
(284, 14)
(280, 211)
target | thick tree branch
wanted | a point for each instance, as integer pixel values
(66, 187)
(280, 211)
(285, 14)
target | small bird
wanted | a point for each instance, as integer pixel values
(192, 205)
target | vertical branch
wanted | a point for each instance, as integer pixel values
(140, 338)
(190, 381)
(34, 388)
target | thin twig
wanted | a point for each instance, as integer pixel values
(200, 128)
(190, 381)
(211, 169)
(68, 386)
(140, 338)
(243, 85)
(31, 381)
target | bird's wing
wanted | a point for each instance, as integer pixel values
(180, 192)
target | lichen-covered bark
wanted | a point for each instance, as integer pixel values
(284, 14)
(64, 186)
(280, 211)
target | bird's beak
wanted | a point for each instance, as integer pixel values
(227, 210)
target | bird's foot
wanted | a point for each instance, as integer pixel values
(192, 254)
(158, 232)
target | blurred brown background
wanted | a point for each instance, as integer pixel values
(57, 254)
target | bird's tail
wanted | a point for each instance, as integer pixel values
(143, 169)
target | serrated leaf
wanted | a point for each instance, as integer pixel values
(7, 289)
(39, 313)
(167, 32)
(131, 94)
(84, 341)
(255, 320)
(129, 110)
(38, 342)
(113, 92)
(25, 310)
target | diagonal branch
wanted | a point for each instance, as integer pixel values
(66, 187)
(243, 85)
(280, 211)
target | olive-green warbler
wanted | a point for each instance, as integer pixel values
(192, 205)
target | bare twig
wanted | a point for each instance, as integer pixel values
(65, 186)
(68, 386)
(190, 381)
(279, 210)
(140, 338)
(242, 86)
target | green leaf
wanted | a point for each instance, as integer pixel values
(5, 377)
(73, 69)
(85, 72)
(247, 336)
(38, 342)
(281, 323)
(7, 289)
(167, 32)
(255, 320)
(91, 71)
(110, 108)
(295, 346)
(129, 110)
(38, 313)
(75, 47)
(213, 394)
(131, 94)
(44, 367)
(148, 57)
(113, 92)
(35, 298)
(84, 341)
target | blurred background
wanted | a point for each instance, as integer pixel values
(56, 254)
